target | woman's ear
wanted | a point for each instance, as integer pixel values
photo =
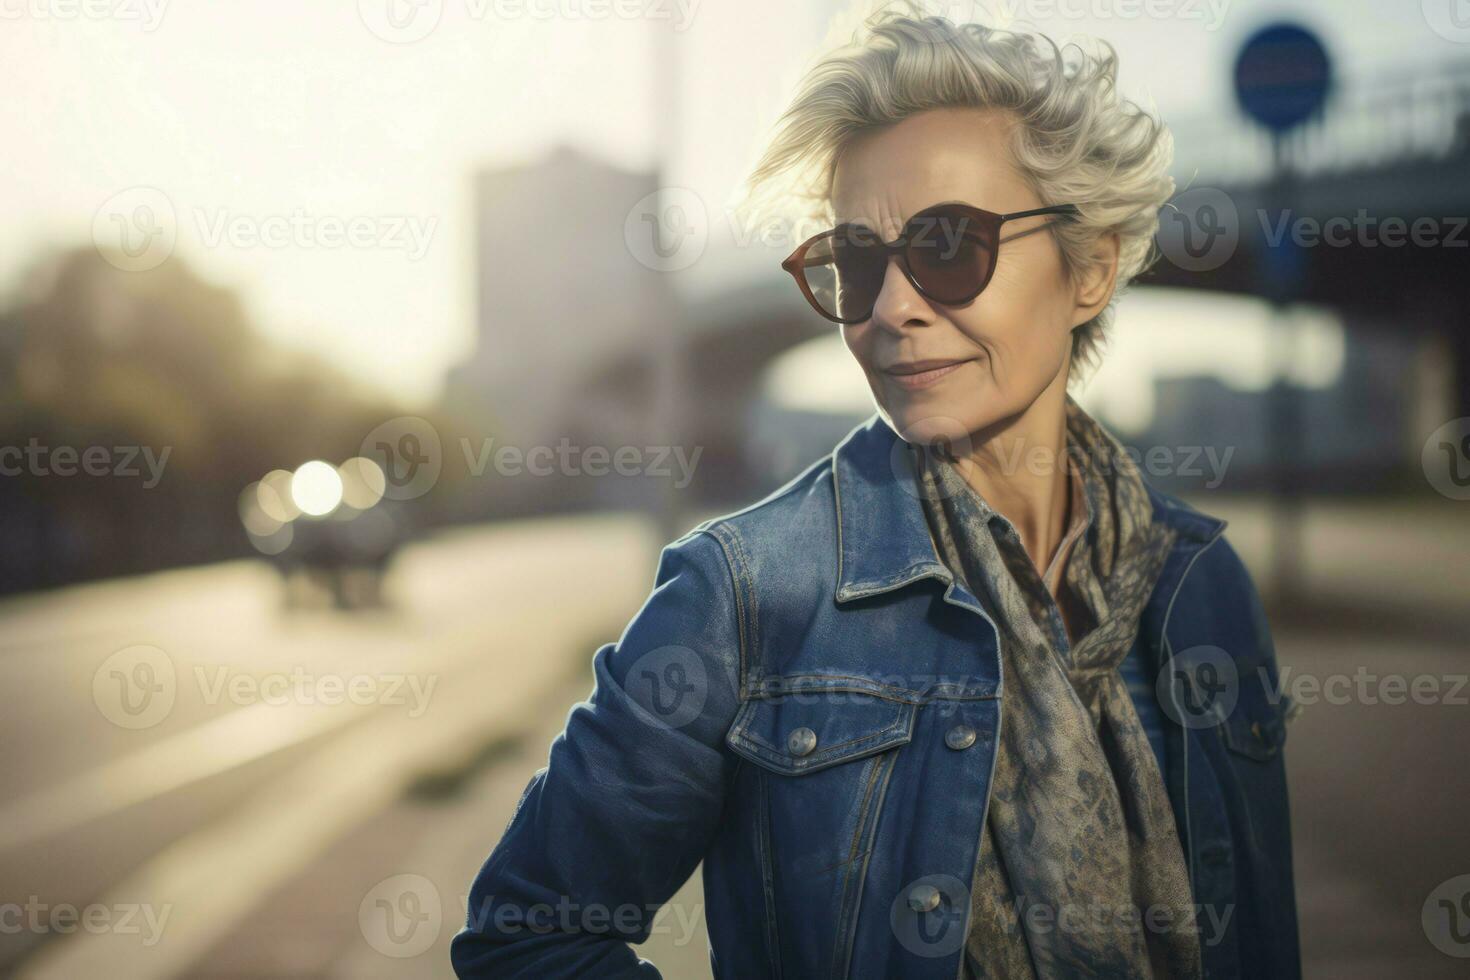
(1094, 287)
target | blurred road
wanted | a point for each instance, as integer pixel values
(350, 834)
(1379, 792)
(121, 765)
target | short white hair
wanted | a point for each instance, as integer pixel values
(1078, 140)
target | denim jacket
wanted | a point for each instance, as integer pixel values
(808, 701)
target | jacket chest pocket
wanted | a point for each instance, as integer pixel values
(820, 759)
(823, 755)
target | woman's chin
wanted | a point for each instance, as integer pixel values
(928, 425)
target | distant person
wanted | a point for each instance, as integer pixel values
(967, 697)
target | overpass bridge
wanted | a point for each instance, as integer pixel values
(1369, 217)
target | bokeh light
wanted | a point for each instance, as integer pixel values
(256, 519)
(316, 488)
(274, 496)
(273, 543)
(363, 482)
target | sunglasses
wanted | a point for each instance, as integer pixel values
(946, 251)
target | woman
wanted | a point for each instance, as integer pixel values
(904, 709)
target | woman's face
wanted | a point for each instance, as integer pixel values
(944, 372)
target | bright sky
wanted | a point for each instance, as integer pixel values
(250, 119)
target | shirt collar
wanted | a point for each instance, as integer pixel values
(950, 482)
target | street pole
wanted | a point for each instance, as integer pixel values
(1284, 433)
(668, 367)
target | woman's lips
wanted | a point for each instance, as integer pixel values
(921, 374)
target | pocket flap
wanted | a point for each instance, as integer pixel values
(1257, 728)
(804, 731)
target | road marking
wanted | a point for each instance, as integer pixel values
(206, 750)
(259, 730)
(213, 877)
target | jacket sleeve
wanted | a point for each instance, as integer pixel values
(631, 795)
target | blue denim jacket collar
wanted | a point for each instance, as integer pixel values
(883, 540)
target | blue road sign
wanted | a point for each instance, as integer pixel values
(1282, 76)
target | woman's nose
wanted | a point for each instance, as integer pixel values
(899, 305)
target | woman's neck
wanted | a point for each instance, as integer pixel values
(1019, 467)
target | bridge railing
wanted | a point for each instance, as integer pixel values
(1368, 124)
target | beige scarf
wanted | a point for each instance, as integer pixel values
(1081, 872)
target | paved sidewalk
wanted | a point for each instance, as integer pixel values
(385, 901)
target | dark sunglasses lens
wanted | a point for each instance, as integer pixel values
(951, 257)
(845, 274)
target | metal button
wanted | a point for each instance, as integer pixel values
(802, 741)
(924, 898)
(960, 737)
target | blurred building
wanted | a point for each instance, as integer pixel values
(1359, 431)
(572, 326)
(559, 295)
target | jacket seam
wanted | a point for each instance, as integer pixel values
(744, 600)
(855, 875)
(1169, 658)
(866, 685)
(837, 515)
(768, 872)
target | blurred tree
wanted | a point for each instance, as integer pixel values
(94, 356)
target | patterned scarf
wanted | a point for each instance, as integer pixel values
(1081, 872)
